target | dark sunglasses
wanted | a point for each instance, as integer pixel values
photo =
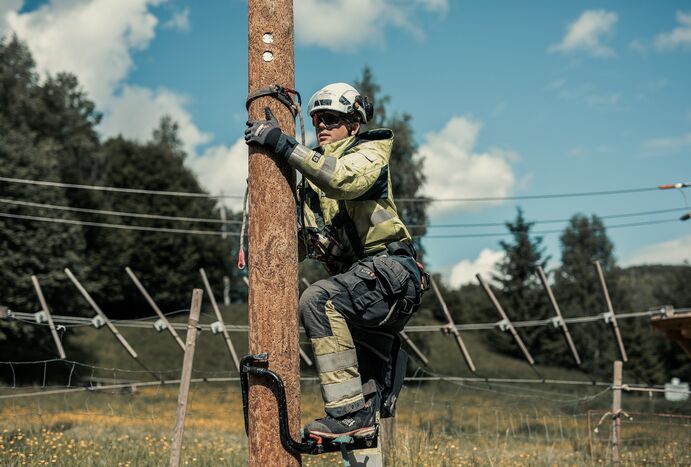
(329, 120)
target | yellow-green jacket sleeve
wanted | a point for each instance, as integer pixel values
(347, 176)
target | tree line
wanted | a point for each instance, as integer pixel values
(49, 131)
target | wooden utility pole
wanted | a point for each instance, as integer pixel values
(185, 377)
(273, 272)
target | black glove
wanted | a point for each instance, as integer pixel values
(263, 132)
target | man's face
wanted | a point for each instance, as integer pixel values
(332, 126)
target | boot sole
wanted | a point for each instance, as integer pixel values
(359, 433)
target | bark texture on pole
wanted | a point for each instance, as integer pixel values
(273, 295)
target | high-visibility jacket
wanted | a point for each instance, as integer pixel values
(348, 186)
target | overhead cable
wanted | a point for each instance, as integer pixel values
(116, 189)
(237, 234)
(116, 213)
(524, 197)
(545, 221)
(544, 232)
(410, 200)
(117, 226)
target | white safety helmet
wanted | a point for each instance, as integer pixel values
(343, 98)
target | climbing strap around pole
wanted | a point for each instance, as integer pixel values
(285, 96)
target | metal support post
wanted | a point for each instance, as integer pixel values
(505, 318)
(610, 313)
(46, 310)
(452, 327)
(102, 315)
(155, 307)
(559, 317)
(219, 317)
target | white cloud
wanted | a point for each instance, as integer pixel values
(464, 271)
(95, 40)
(136, 111)
(678, 37)
(345, 25)
(438, 6)
(675, 251)
(586, 32)
(455, 170)
(180, 20)
(672, 144)
(223, 168)
(7, 7)
(92, 39)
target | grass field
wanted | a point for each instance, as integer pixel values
(438, 424)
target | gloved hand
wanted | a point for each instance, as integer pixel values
(263, 132)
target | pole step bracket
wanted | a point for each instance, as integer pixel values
(312, 444)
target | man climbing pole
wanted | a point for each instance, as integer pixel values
(348, 220)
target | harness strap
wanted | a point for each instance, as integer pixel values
(281, 93)
(343, 219)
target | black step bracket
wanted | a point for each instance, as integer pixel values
(312, 444)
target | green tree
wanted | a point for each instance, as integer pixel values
(167, 263)
(578, 291)
(521, 293)
(407, 168)
(31, 247)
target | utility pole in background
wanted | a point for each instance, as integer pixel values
(273, 295)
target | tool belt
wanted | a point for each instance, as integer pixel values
(398, 249)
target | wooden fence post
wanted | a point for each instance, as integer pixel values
(49, 317)
(190, 341)
(616, 412)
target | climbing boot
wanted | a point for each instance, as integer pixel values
(359, 424)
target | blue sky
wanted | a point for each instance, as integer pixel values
(507, 98)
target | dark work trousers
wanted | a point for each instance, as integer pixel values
(352, 320)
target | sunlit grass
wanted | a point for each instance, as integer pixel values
(437, 425)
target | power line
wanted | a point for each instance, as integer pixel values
(545, 232)
(546, 221)
(116, 213)
(219, 221)
(117, 226)
(525, 197)
(115, 189)
(214, 233)
(408, 200)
